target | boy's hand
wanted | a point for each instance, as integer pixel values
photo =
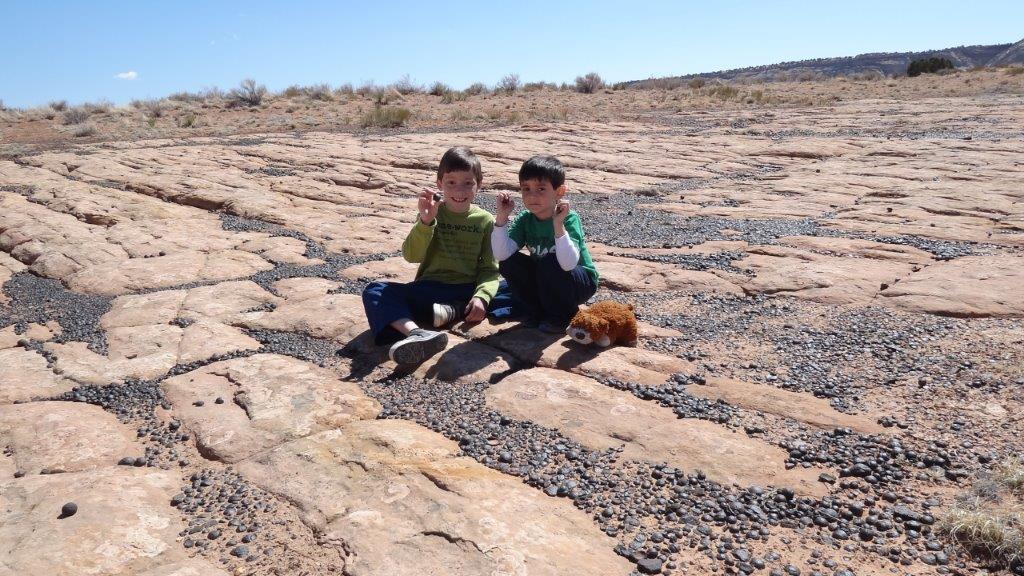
(505, 206)
(475, 311)
(561, 211)
(428, 204)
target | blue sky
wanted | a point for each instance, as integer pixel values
(75, 50)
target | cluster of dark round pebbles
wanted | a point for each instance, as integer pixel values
(854, 351)
(302, 346)
(226, 516)
(878, 461)
(673, 395)
(39, 300)
(135, 402)
(656, 510)
(715, 261)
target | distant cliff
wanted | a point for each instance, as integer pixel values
(875, 63)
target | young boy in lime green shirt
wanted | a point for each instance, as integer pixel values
(457, 274)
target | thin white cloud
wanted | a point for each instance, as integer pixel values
(129, 75)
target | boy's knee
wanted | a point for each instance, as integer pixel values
(374, 290)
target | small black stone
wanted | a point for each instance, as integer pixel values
(240, 551)
(650, 566)
(68, 510)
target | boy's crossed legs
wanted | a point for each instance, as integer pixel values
(552, 296)
(392, 309)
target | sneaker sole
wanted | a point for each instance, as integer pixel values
(418, 350)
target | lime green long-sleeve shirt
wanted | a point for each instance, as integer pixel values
(455, 249)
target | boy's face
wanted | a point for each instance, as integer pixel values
(540, 197)
(459, 188)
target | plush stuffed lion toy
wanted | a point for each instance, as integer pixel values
(604, 324)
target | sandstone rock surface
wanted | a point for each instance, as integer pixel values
(404, 502)
(266, 399)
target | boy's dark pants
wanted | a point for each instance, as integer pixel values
(386, 302)
(548, 292)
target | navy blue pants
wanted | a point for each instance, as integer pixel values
(545, 290)
(386, 302)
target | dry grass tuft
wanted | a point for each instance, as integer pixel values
(75, 115)
(386, 117)
(83, 130)
(988, 522)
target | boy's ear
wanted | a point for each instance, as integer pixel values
(439, 184)
(561, 190)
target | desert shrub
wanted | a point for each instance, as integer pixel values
(293, 91)
(344, 90)
(248, 93)
(75, 115)
(386, 117)
(928, 66)
(447, 97)
(151, 108)
(439, 89)
(723, 92)
(475, 89)
(696, 83)
(538, 86)
(869, 76)
(319, 92)
(367, 89)
(83, 130)
(187, 120)
(186, 97)
(589, 83)
(384, 95)
(509, 83)
(1015, 70)
(405, 86)
(100, 107)
(59, 105)
(212, 93)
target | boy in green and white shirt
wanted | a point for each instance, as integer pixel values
(558, 275)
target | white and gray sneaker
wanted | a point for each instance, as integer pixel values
(419, 345)
(446, 314)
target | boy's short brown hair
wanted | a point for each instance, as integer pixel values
(542, 167)
(460, 158)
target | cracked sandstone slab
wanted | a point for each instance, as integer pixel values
(63, 437)
(125, 531)
(267, 399)
(404, 503)
(601, 417)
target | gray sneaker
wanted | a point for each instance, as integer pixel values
(419, 345)
(446, 314)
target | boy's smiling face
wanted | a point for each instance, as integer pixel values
(540, 197)
(459, 187)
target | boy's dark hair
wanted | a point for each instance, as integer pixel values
(542, 167)
(458, 159)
